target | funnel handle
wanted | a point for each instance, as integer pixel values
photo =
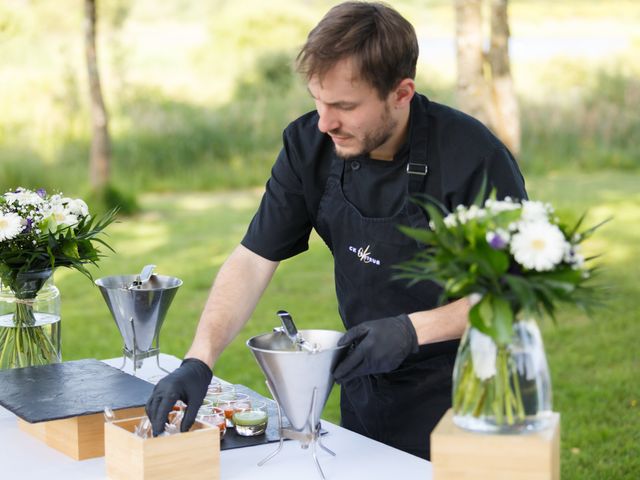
(289, 326)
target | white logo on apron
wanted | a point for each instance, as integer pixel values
(363, 255)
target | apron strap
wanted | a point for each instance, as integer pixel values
(417, 167)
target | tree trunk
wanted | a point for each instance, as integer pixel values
(100, 142)
(472, 87)
(485, 87)
(507, 115)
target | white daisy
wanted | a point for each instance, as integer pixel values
(10, 226)
(538, 246)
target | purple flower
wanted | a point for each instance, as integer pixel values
(28, 226)
(496, 241)
(41, 192)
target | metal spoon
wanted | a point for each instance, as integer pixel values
(144, 276)
(289, 328)
(109, 416)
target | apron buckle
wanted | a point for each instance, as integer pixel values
(417, 169)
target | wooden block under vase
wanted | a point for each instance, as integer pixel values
(461, 455)
(78, 437)
(192, 455)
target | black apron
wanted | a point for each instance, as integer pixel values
(399, 408)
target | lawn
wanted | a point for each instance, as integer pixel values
(594, 362)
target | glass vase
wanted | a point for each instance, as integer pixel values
(30, 321)
(502, 389)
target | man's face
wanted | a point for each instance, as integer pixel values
(351, 111)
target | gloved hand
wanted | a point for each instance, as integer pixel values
(188, 383)
(378, 346)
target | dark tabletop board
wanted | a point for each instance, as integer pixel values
(69, 389)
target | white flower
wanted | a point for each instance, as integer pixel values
(538, 246)
(77, 207)
(23, 196)
(62, 216)
(465, 214)
(498, 206)
(10, 226)
(450, 220)
(573, 256)
(535, 211)
(483, 354)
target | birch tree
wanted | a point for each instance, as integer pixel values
(484, 85)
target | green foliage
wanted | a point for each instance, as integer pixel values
(208, 114)
(111, 198)
(44, 240)
(479, 250)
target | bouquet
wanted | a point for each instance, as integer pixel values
(39, 232)
(515, 261)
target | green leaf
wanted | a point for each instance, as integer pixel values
(503, 320)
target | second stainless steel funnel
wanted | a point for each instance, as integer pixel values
(140, 311)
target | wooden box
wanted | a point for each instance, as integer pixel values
(461, 455)
(191, 455)
(79, 437)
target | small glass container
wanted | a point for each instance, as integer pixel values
(232, 403)
(214, 416)
(216, 392)
(251, 420)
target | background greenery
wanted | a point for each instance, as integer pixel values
(199, 93)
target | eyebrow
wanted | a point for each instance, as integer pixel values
(340, 104)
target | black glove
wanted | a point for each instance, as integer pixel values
(188, 383)
(377, 346)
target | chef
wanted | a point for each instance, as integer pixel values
(349, 170)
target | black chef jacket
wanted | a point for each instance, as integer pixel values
(460, 151)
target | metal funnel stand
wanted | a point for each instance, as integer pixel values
(139, 308)
(300, 381)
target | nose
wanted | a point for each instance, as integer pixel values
(327, 120)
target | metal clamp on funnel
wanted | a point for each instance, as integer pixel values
(299, 379)
(139, 304)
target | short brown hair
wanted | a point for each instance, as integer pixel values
(381, 42)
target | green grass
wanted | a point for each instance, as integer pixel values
(594, 362)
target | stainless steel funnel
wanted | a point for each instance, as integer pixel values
(300, 381)
(293, 374)
(139, 311)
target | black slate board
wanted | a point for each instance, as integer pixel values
(69, 389)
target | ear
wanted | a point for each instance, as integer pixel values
(403, 93)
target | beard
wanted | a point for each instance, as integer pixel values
(371, 139)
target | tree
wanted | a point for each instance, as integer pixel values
(484, 83)
(100, 159)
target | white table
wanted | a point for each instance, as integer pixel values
(26, 458)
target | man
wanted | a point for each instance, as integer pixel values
(348, 170)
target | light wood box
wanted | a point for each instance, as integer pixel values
(192, 455)
(79, 437)
(461, 455)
